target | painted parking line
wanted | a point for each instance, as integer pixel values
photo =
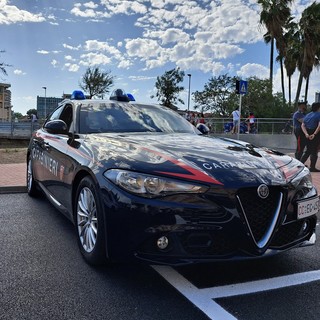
(193, 294)
(203, 298)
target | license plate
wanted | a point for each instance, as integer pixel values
(308, 207)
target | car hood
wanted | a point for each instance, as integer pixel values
(218, 161)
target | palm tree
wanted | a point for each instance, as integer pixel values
(292, 55)
(310, 31)
(274, 15)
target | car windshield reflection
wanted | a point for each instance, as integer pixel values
(120, 117)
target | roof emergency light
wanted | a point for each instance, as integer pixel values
(119, 95)
(131, 97)
(77, 95)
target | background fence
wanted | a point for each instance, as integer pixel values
(263, 125)
(16, 130)
(217, 125)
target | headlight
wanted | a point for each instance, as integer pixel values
(303, 179)
(303, 186)
(150, 186)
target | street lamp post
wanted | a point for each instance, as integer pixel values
(189, 75)
(45, 101)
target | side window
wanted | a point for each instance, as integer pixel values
(66, 115)
(55, 114)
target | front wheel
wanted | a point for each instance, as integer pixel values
(32, 187)
(89, 222)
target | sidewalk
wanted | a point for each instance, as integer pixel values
(13, 178)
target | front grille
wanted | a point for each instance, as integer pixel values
(260, 214)
(207, 243)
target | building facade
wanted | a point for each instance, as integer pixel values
(45, 105)
(5, 102)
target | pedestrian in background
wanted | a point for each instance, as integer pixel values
(297, 118)
(236, 120)
(250, 123)
(201, 119)
(311, 129)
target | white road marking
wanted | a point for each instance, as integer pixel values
(193, 294)
(203, 298)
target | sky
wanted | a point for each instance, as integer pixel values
(51, 43)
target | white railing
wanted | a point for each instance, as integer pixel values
(263, 125)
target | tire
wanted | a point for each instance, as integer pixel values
(89, 223)
(32, 187)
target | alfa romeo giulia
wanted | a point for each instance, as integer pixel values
(138, 181)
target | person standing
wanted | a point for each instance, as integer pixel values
(250, 123)
(311, 129)
(297, 118)
(201, 119)
(236, 120)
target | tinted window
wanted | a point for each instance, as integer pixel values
(55, 114)
(124, 117)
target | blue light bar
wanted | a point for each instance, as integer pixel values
(131, 97)
(77, 95)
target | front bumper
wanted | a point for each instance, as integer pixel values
(198, 228)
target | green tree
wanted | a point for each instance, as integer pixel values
(310, 44)
(274, 15)
(32, 111)
(17, 115)
(262, 102)
(168, 88)
(218, 96)
(96, 82)
(3, 65)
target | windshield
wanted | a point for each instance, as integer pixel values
(100, 116)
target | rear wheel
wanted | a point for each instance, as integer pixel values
(32, 187)
(89, 222)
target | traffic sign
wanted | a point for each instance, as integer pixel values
(243, 87)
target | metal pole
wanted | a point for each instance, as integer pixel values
(189, 75)
(45, 102)
(238, 129)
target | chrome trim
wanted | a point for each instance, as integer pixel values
(270, 230)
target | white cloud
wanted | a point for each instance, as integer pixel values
(143, 48)
(69, 58)
(141, 78)
(254, 69)
(43, 52)
(91, 59)
(19, 72)
(54, 63)
(12, 14)
(72, 67)
(66, 46)
(90, 5)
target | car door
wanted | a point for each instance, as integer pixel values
(55, 157)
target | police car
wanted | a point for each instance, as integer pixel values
(140, 182)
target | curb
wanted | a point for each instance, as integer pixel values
(14, 189)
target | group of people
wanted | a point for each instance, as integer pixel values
(198, 121)
(250, 121)
(307, 131)
(194, 118)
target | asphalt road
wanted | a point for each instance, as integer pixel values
(42, 275)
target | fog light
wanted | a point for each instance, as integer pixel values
(163, 243)
(305, 226)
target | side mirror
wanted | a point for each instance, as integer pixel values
(56, 127)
